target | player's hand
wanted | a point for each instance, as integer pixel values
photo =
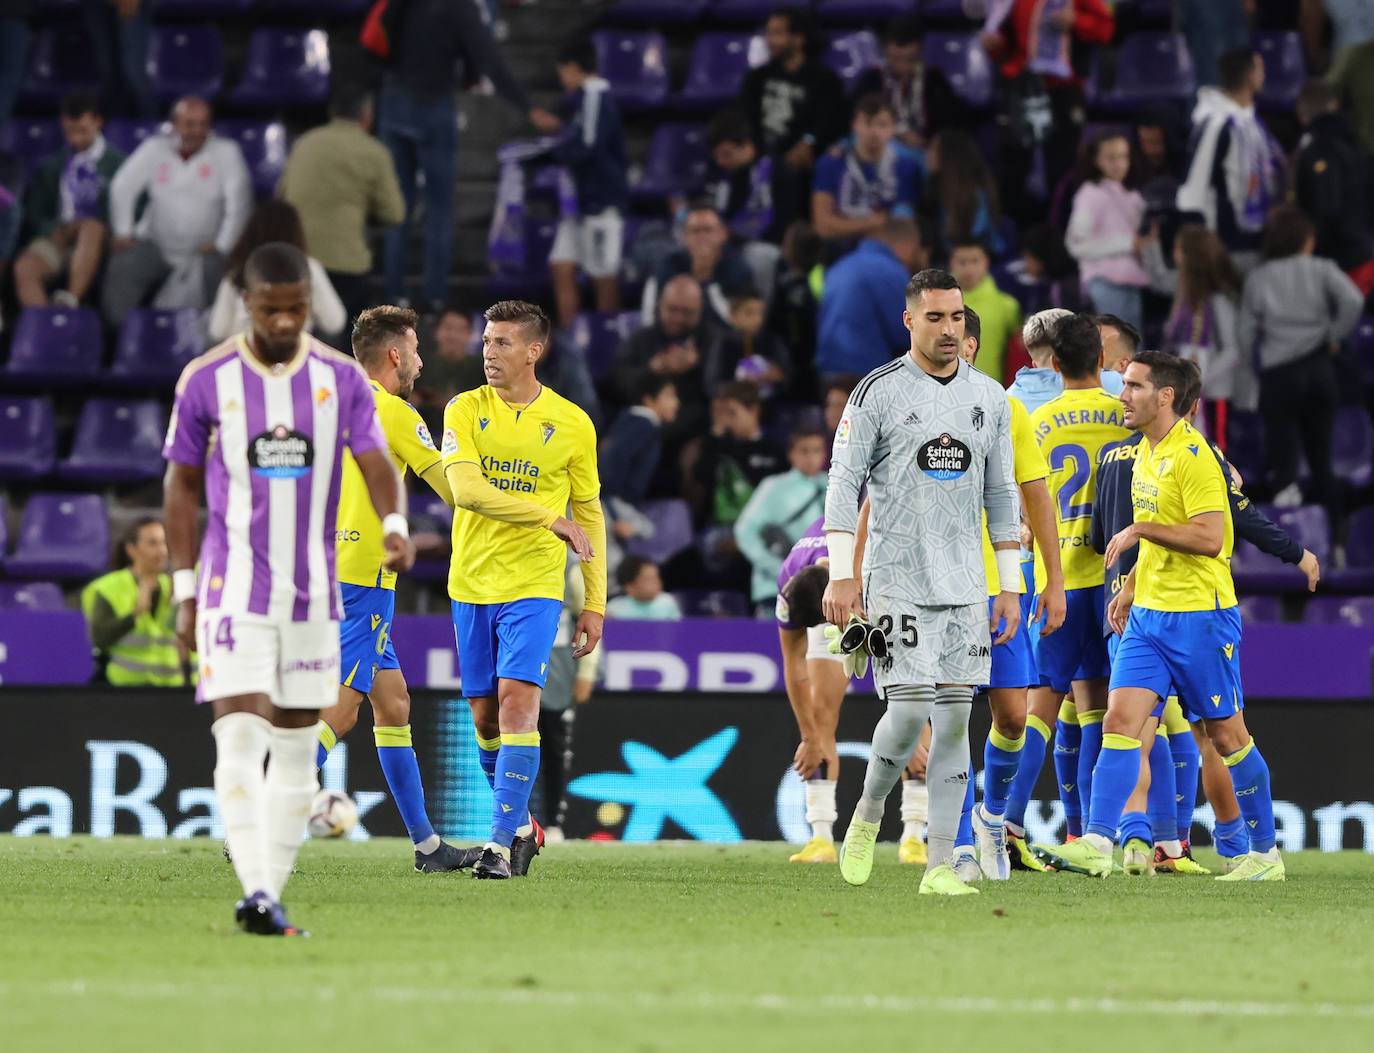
(1309, 566)
(587, 633)
(1006, 615)
(575, 536)
(1121, 542)
(841, 601)
(811, 754)
(186, 625)
(1052, 607)
(920, 756)
(1119, 610)
(400, 553)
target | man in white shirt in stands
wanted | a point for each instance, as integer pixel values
(199, 194)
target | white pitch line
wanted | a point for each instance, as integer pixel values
(703, 1001)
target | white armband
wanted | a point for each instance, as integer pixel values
(395, 523)
(1009, 569)
(841, 548)
(183, 586)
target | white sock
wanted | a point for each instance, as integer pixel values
(947, 769)
(241, 744)
(896, 735)
(501, 850)
(915, 809)
(1172, 848)
(1102, 844)
(820, 808)
(291, 786)
(428, 845)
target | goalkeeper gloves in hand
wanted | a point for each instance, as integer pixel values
(857, 643)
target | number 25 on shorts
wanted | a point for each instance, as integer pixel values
(906, 628)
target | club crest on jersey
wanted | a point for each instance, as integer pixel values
(976, 417)
(482, 423)
(944, 458)
(322, 396)
(422, 433)
(450, 442)
(546, 429)
(842, 434)
(282, 453)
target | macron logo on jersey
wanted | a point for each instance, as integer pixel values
(482, 423)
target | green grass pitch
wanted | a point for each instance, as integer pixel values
(127, 944)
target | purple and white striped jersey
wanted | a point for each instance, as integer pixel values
(809, 550)
(271, 440)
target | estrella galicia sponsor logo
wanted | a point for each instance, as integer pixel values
(282, 453)
(944, 458)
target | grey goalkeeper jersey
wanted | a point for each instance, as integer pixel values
(934, 455)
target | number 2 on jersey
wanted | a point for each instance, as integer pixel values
(1074, 484)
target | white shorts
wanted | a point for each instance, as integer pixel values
(931, 645)
(593, 243)
(817, 646)
(295, 664)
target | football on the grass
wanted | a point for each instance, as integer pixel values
(332, 814)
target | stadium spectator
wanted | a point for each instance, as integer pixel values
(859, 326)
(747, 351)
(1295, 310)
(1120, 341)
(15, 17)
(1159, 151)
(792, 306)
(1333, 179)
(130, 615)
(341, 180)
(860, 183)
(118, 31)
(734, 457)
(567, 373)
(630, 452)
(1350, 22)
(1212, 28)
(965, 201)
(643, 598)
(796, 105)
(274, 221)
(708, 258)
(67, 209)
(779, 513)
(455, 366)
(833, 401)
(11, 211)
(1046, 274)
(439, 46)
(1352, 76)
(920, 94)
(592, 148)
(739, 182)
(671, 347)
(1104, 227)
(199, 195)
(999, 312)
(1236, 171)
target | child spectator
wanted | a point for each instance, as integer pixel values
(747, 351)
(999, 311)
(643, 598)
(1104, 227)
(734, 458)
(779, 513)
(631, 449)
(792, 307)
(964, 203)
(739, 182)
(859, 184)
(593, 149)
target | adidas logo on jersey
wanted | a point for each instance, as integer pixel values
(911, 418)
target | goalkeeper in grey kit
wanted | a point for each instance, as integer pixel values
(932, 438)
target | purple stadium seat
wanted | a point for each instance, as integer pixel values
(185, 60)
(1340, 610)
(705, 603)
(264, 150)
(1254, 571)
(4, 528)
(715, 71)
(28, 439)
(322, 8)
(636, 64)
(1153, 12)
(676, 163)
(1352, 445)
(850, 54)
(30, 596)
(209, 8)
(59, 62)
(128, 136)
(861, 10)
(1364, 348)
(965, 63)
(30, 140)
(55, 345)
(1151, 66)
(657, 12)
(1245, 444)
(62, 536)
(117, 441)
(285, 67)
(790, 416)
(1285, 68)
(1358, 574)
(1261, 609)
(154, 346)
(597, 334)
(753, 12)
(672, 530)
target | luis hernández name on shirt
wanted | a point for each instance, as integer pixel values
(521, 477)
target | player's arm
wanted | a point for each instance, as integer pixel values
(1202, 535)
(1252, 525)
(1119, 610)
(584, 488)
(856, 438)
(1052, 605)
(861, 537)
(1004, 526)
(438, 482)
(410, 441)
(384, 490)
(798, 686)
(181, 487)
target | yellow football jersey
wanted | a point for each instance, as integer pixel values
(1029, 465)
(358, 536)
(1072, 431)
(544, 452)
(1172, 483)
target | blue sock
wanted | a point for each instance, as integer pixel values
(328, 740)
(1032, 760)
(1067, 739)
(1230, 839)
(1250, 776)
(1187, 768)
(487, 750)
(963, 837)
(1161, 804)
(397, 758)
(517, 764)
(1089, 746)
(1117, 772)
(1001, 762)
(1134, 824)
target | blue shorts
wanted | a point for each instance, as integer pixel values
(1194, 654)
(1013, 663)
(1114, 645)
(365, 635)
(1076, 650)
(504, 641)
